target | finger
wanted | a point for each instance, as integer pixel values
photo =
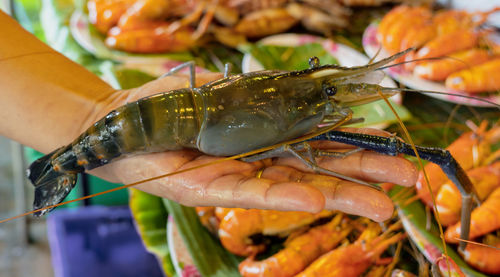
(339, 194)
(227, 184)
(261, 193)
(365, 165)
(233, 184)
(324, 144)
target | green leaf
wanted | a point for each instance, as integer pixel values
(54, 18)
(123, 78)
(378, 112)
(151, 220)
(208, 255)
(288, 57)
(428, 242)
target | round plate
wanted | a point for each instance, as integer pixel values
(181, 259)
(344, 54)
(372, 46)
(88, 39)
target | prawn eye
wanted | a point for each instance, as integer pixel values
(331, 91)
(313, 62)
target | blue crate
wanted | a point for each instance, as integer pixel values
(98, 241)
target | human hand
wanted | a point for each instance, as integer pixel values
(283, 184)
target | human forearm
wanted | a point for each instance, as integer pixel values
(45, 98)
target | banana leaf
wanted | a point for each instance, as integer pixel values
(413, 216)
(286, 57)
(54, 19)
(151, 222)
(208, 255)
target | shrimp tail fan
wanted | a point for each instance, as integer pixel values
(52, 185)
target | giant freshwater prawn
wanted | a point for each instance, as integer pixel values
(319, 95)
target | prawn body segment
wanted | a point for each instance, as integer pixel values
(247, 112)
(151, 124)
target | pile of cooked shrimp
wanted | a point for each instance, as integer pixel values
(471, 60)
(158, 26)
(323, 244)
(473, 150)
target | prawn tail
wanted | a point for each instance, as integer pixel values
(52, 184)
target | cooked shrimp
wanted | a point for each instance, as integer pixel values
(485, 259)
(448, 200)
(353, 259)
(238, 225)
(482, 78)
(484, 219)
(469, 150)
(299, 252)
(439, 70)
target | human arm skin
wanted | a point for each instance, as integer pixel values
(46, 101)
(45, 98)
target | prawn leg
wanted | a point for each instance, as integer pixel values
(443, 158)
(192, 71)
(304, 152)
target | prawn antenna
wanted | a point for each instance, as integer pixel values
(496, 105)
(421, 60)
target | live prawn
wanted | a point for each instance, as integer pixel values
(231, 116)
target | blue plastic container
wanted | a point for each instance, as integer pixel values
(98, 241)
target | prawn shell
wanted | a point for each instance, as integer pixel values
(440, 70)
(104, 14)
(448, 200)
(482, 78)
(469, 150)
(391, 17)
(265, 22)
(396, 32)
(483, 258)
(448, 43)
(147, 40)
(484, 219)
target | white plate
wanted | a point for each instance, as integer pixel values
(154, 64)
(371, 46)
(344, 54)
(183, 264)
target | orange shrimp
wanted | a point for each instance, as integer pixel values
(449, 43)
(265, 22)
(418, 36)
(448, 200)
(300, 251)
(484, 219)
(481, 78)
(104, 14)
(414, 18)
(208, 218)
(353, 259)
(147, 40)
(239, 224)
(448, 21)
(469, 150)
(485, 259)
(439, 70)
(443, 23)
(389, 19)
